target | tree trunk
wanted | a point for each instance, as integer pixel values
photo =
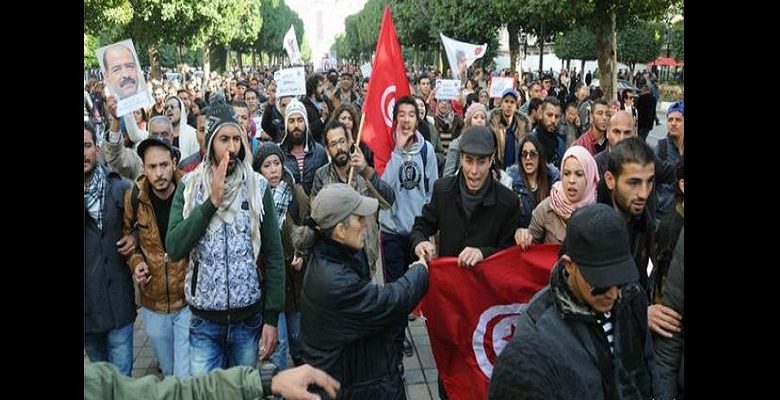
(581, 78)
(239, 61)
(416, 57)
(254, 60)
(541, 50)
(206, 64)
(154, 61)
(525, 52)
(514, 45)
(605, 50)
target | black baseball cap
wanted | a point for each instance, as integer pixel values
(597, 241)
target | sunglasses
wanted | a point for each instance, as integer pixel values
(527, 153)
(599, 291)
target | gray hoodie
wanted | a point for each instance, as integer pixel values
(412, 187)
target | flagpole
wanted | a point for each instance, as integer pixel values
(357, 146)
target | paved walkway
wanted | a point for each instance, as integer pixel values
(420, 369)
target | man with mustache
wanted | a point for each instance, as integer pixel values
(160, 280)
(223, 218)
(630, 179)
(302, 154)
(121, 70)
(365, 180)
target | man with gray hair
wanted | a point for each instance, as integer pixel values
(348, 323)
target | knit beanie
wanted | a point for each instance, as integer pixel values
(473, 109)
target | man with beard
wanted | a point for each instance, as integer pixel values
(313, 103)
(184, 136)
(223, 218)
(365, 181)
(546, 131)
(108, 289)
(302, 155)
(161, 282)
(630, 179)
(121, 70)
(595, 139)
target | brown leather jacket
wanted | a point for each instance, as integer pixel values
(164, 293)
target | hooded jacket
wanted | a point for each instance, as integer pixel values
(315, 156)
(188, 141)
(222, 282)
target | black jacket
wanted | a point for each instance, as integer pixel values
(491, 227)
(555, 313)
(670, 353)
(347, 322)
(109, 299)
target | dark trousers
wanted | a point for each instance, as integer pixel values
(643, 132)
(396, 256)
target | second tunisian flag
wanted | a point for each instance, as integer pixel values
(471, 314)
(388, 82)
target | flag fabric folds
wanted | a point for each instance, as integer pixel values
(471, 314)
(388, 83)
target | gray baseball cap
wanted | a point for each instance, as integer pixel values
(337, 201)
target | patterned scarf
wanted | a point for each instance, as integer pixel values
(282, 197)
(200, 181)
(94, 193)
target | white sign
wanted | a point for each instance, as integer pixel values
(124, 77)
(290, 82)
(291, 46)
(499, 84)
(447, 89)
(365, 69)
(461, 55)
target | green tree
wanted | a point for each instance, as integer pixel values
(638, 43)
(678, 41)
(576, 44)
(605, 17)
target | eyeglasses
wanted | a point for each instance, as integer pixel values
(529, 153)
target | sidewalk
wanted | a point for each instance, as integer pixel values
(420, 369)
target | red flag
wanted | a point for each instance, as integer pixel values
(388, 83)
(471, 313)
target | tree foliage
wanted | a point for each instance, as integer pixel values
(277, 18)
(678, 41)
(638, 43)
(578, 43)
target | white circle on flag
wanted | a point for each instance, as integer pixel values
(388, 104)
(494, 330)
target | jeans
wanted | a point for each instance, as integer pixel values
(289, 329)
(214, 345)
(114, 346)
(397, 255)
(170, 338)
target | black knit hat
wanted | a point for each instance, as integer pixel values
(263, 151)
(218, 115)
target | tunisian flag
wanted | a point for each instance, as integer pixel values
(388, 82)
(471, 314)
